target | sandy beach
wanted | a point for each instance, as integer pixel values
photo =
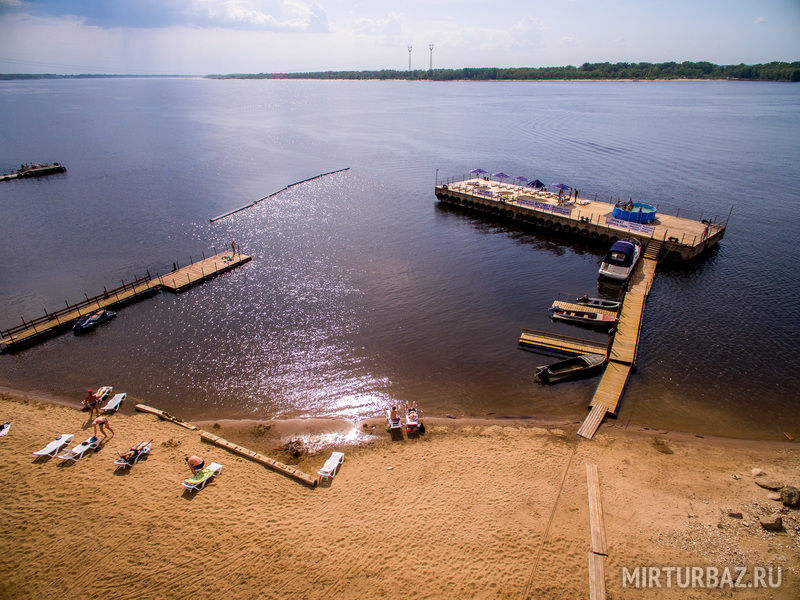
(472, 509)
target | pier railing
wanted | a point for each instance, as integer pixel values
(71, 308)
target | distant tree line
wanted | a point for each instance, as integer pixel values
(773, 71)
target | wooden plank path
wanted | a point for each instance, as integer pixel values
(560, 343)
(624, 346)
(176, 281)
(597, 585)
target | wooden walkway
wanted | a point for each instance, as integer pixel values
(560, 343)
(625, 344)
(40, 328)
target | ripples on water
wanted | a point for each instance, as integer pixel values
(362, 291)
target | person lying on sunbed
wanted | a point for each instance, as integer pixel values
(411, 412)
(131, 454)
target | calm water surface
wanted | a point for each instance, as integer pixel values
(362, 291)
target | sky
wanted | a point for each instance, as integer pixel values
(199, 37)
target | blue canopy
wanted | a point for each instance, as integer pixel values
(536, 184)
(500, 175)
(479, 171)
(520, 178)
(561, 186)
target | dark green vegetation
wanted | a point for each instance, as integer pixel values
(774, 71)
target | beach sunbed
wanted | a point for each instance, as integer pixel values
(57, 444)
(393, 423)
(78, 451)
(331, 466)
(4, 428)
(126, 463)
(114, 403)
(104, 391)
(199, 480)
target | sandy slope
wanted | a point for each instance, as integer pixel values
(467, 511)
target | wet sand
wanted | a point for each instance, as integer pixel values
(472, 509)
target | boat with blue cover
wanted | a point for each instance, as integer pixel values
(621, 259)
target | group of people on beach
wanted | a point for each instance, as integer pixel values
(92, 402)
(101, 424)
(412, 417)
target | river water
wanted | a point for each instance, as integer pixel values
(362, 291)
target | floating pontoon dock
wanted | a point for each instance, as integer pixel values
(35, 330)
(593, 220)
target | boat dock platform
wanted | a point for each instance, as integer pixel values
(622, 346)
(681, 238)
(35, 330)
(625, 343)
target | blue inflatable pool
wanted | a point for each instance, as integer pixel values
(640, 213)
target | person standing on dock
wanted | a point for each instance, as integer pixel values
(233, 245)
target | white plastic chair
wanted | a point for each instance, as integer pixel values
(57, 444)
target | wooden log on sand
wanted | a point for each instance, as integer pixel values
(260, 458)
(165, 416)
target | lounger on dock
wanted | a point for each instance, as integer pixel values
(202, 477)
(57, 444)
(114, 403)
(78, 451)
(331, 466)
(126, 463)
(4, 428)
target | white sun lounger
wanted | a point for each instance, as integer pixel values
(393, 423)
(78, 451)
(331, 466)
(202, 477)
(114, 403)
(102, 392)
(123, 463)
(57, 444)
(4, 428)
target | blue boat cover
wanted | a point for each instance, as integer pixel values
(622, 246)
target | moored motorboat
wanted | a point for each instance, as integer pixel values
(88, 322)
(571, 368)
(621, 259)
(585, 317)
(598, 302)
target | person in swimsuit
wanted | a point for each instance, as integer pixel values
(92, 402)
(195, 463)
(131, 454)
(411, 411)
(102, 423)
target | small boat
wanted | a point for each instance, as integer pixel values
(571, 368)
(598, 303)
(621, 259)
(585, 317)
(88, 322)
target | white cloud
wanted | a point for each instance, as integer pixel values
(759, 20)
(389, 25)
(288, 15)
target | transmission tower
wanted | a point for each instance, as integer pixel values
(409, 58)
(430, 68)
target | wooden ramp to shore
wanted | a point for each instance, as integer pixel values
(275, 465)
(35, 330)
(625, 344)
(564, 344)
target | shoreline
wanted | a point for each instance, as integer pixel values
(295, 427)
(487, 508)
